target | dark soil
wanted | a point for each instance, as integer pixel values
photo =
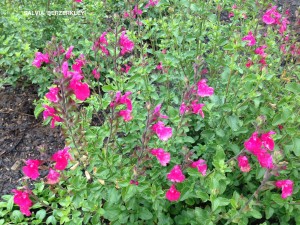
(21, 135)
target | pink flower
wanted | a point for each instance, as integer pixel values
(126, 114)
(163, 133)
(176, 175)
(96, 74)
(122, 99)
(173, 194)
(31, 169)
(200, 165)
(204, 71)
(286, 187)
(267, 140)
(125, 68)
(265, 159)
(39, 59)
(253, 144)
(64, 69)
(134, 182)
(234, 6)
(249, 63)
(164, 51)
(52, 95)
(53, 177)
(197, 108)
(101, 43)
(157, 114)
(162, 156)
(283, 25)
(69, 53)
(126, 15)
(203, 89)
(81, 90)
(249, 38)
(183, 108)
(243, 163)
(51, 112)
(151, 3)
(261, 51)
(61, 158)
(79, 63)
(159, 66)
(136, 11)
(231, 14)
(126, 45)
(77, 0)
(21, 198)
(271, 16)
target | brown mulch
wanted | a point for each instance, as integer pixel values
(22, 135)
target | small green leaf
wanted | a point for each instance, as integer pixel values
(269, 212)
(219, 202)
(38, 109)
(16, 216)
(41, 214)
(293, 87)
(233, 122)
(51, 219)
(145, 214)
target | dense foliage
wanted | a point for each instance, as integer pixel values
(173, 112)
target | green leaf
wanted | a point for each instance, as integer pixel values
(219, 202)
(10, 203)
(281, 117)
(51, 219)
(2, 221)
(41, 214)
(233, 122)
(293, 87)
(107, 88)
(269, 212)
(16, 216)
(145, 214)
(38, 109)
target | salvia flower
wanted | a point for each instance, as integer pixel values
(283, 25)
(69, 53)
(52, 95)
(183, 108)
(253, 144)
(51, 112)
(79, 63)
(271, 16)
(31, 169)
(162, 156)
(249, 63)
(39, 59)
(136, 11)
(126, 114)
(243, 163)
(200, 165)
(261, 51)
(203, 89)
(96, 74)
(267, 140)
(125, 68)
(250, 38)
(197, 108)
(135, 182)
(173, 194)
(157, 114)
(61, 158)
(126, 45)
(122, 100)
(286, 187)
(176, 175)
(21, 198)
(151, 3)
(159, 66)
(53, 176)
(163, 132)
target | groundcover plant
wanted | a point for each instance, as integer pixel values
(196, 106)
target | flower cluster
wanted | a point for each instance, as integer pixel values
(123, 100)
(159, 128)
(260, 147)
(31, 170)
(101, 43)
(40, 58)
(203, 90)
(175, 176)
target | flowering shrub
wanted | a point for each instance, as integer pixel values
(182, 112)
